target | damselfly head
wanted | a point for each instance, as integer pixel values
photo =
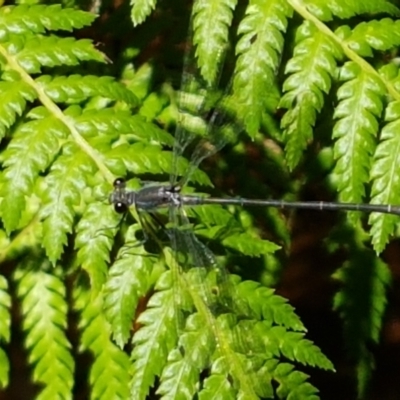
(120, 198)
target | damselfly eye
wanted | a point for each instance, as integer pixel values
(120, 208)
(119, 183)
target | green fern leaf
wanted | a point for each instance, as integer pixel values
(211, 20)
(38, 18)
(128, 281)
(384, 175)
(243, 242)
(294, 347)
(321, 9)
(78, 88)
(211, 215)
(361, 303)
(359, 108)
(141, 9)
(30, 151)
(268, 306)
(324, 10)
(50, 51)
(5, 304)
(217, 387)
(155, 339)
(378, 35)
(45, 319)
(179, 378)
(67, 180)
(225, 341)
(181, 374)
(5, 323)
(14, 95)
(374, 7)
(249, 245)
(109, 376)
(119, 124)
(258, 50)
(4, 369)
(292, 384)
(94, 238)
(311, 70)
(140, 158)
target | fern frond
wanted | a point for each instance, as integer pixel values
(181, 374)
(293, 346)
(141, 9)
(67, 179)
(374, 7)
(249, 245)
(109, 375)
(356, 130)
(215, 335)
(362, 303)
(14, 94)
(45, 318)
(384, 172)
(258, 50)
(112, 124)
(155, 339)
(217, 386)
(37, 18)
(30, 151)
(374, 35)
(293, 384)
(211, 20)
(140, 158)
(310, 74)
(128, 281)
(270, 307)
(325, 10)
(5, 324)
(210, 341)
(36, 52)
(78, 88)
(211, 215)
(94, 238)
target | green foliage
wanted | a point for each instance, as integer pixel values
(310, 71)
(44, 309)
(259, 47)
(211, 21)
(109, 377)
(71, 121)
(361, 303)
(5, 322)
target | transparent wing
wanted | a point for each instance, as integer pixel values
(190, 100)
(189, 253)
(222, 128)
(215, 299)
(204, 111)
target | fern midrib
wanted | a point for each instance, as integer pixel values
(58, 113)
(301, 9)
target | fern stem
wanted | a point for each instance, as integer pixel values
(302, 10)
(58, 113)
